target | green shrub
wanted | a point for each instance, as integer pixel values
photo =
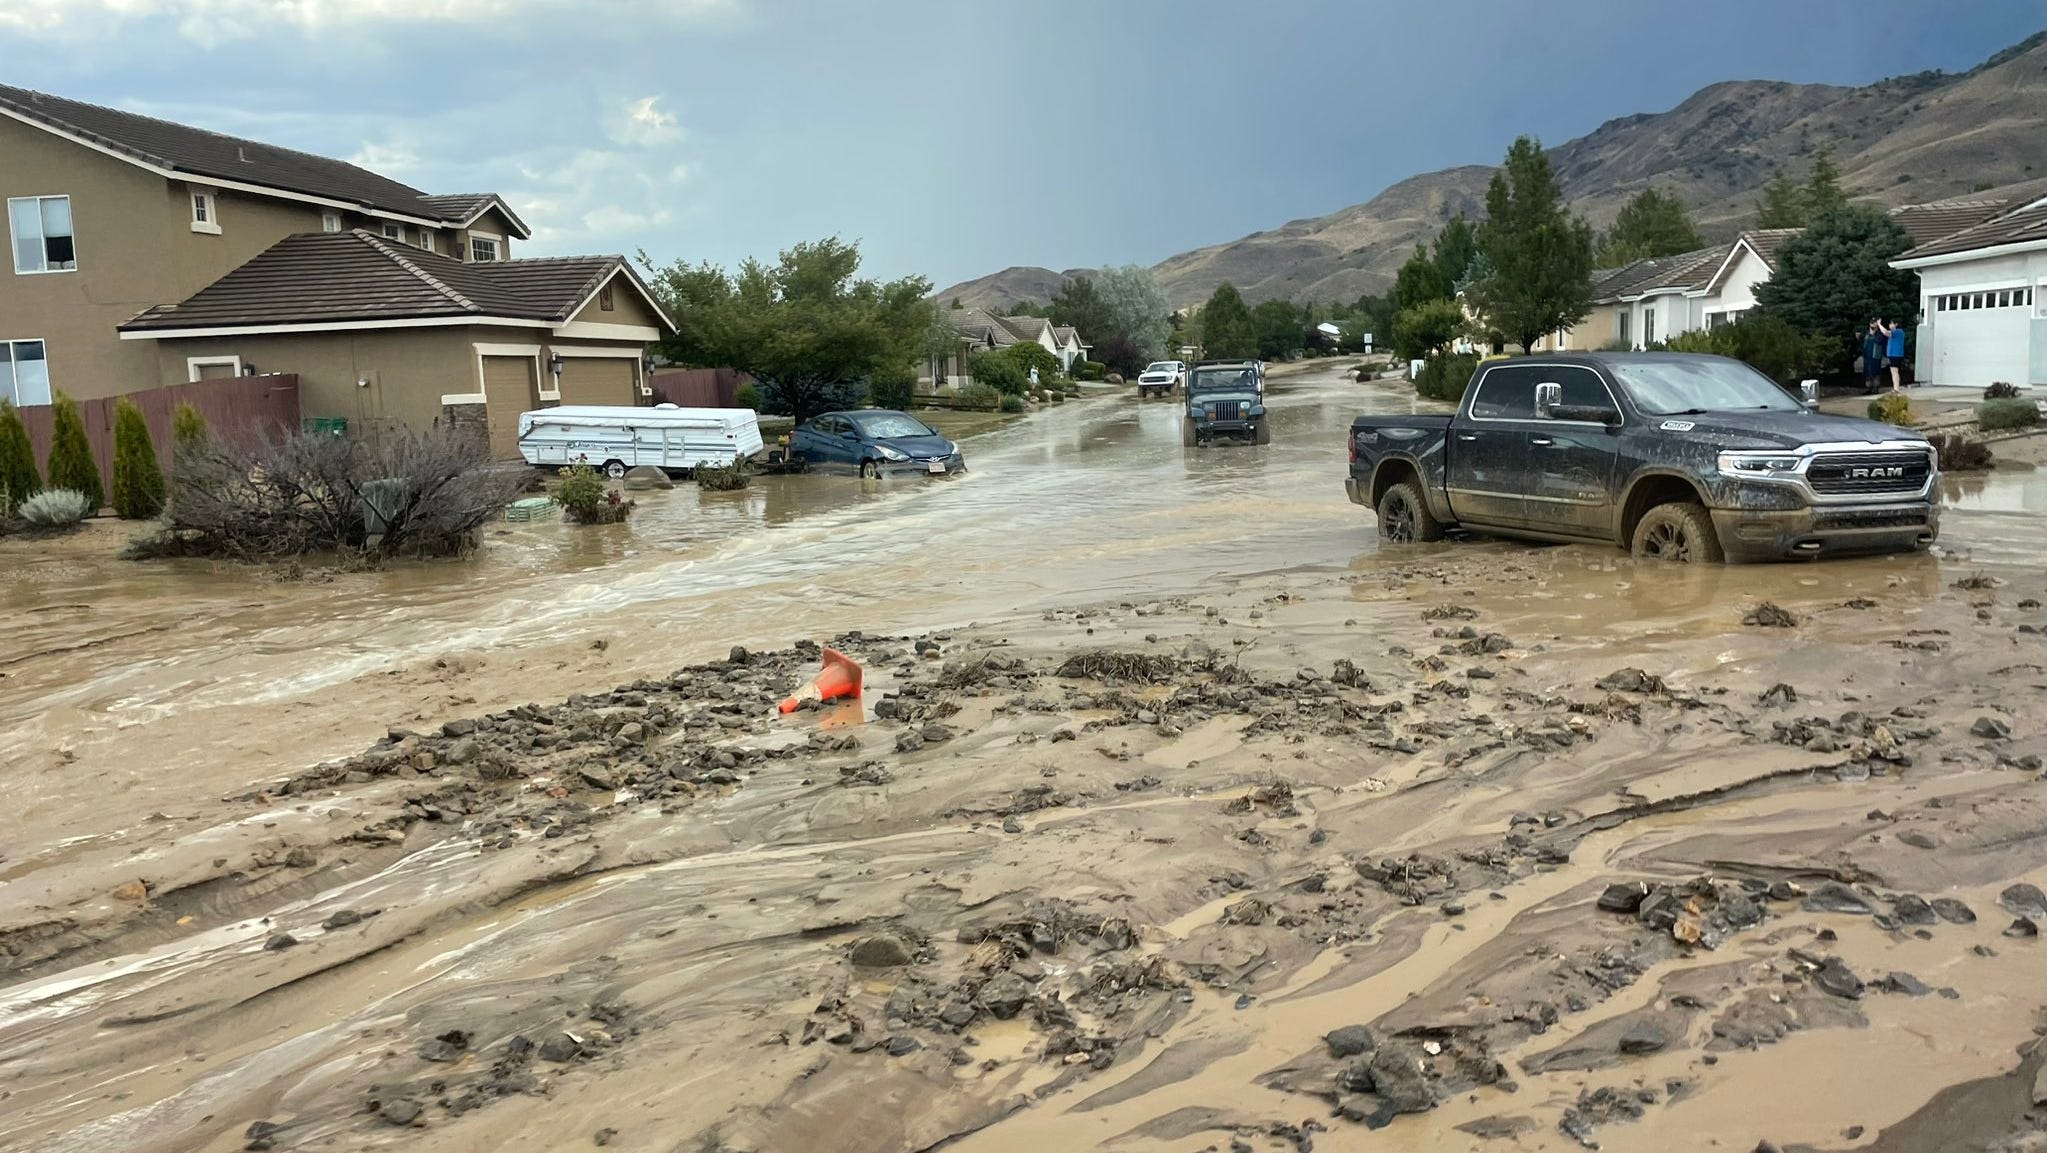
(188, 431)
(1891, 408)
(579, 491)
(2001, 390)
(1029, 354)
(71, 463)
(1012, 404)
(1617, 345)
(18, 478)
(1443, 377)
(980, 397)
(1958, 453)
(999, 371)
(56, 508)
(724, 477)
(892, 387)
(138, 482)
(2007, 412)
(748, 396)
(1090, 369)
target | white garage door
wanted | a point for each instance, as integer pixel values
(1976, 346)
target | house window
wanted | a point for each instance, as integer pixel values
(24, 372)
(426, 239)
(394, 232)
(1649, 325)
(330, 222)
(203, 214)
(483, 249)
(42, 234)
(1715, 320)
(604, 299)
(1621, 332)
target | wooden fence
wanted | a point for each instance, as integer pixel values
(231, 405)
(697, 387)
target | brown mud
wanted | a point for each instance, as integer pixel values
(1176, 817)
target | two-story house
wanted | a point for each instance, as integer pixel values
(143, 253)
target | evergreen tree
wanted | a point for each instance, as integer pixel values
(1836, 276)
(1651, 224)
(1782, 204)
(18, 479)
(1455, 247)
(1418, 282)
(138, 482)
(1823, 186)
(1226, 329)
(1540, 256)
(71, 463)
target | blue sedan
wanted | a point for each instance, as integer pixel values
(871, 442)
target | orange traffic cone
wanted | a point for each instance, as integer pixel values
(839, 678)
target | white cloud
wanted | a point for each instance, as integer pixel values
(646, 124)
(214, 22)
(395, 159)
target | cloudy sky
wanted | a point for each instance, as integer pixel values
(951, 137)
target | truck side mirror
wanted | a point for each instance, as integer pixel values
(1548, 395)
(1810, 390)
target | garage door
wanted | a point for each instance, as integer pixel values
(508, 391)
(1975, 346)
(598, 380)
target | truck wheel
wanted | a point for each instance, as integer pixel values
(615, 469)
(1681, 532)
(1404, 517)
(1263, 435)
(1189, 435)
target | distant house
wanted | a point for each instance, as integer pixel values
(1983, 295)
(144, 253)
(1069, 346)
(981, 331)
(1331, 334)
(1653, 300)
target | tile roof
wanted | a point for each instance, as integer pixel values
(1066, 334)
(200, 153)
(1943, 218)
(1767, 241)
(1025, 327)
(1660, 274)
(979, 325)
(2020, 226)
(339, 277)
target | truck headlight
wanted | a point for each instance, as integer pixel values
(1758, 464)
(1194, 410)
(888, 453)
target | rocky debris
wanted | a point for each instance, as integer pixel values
(131, 891)
(883, 951)
(1451, 612)
(1644, 1037)
(1276, 798)
(1629, 680)
(2024, 900)
(1606, 1105)
(2023, 928)
(1833, 897)
(603, 1136)
(1904, 983)
(869, 774)
(342, 918)
(1348, 1041)
(1990, 729)
(279, 941)
(909, 741)
(1770, 616)
(1831, 974)
(1698, 912)
(1107, 666)
(1953, 911)
(561, 1047)
(400, 1111)
(1004, 995)
(1625, 897)
(446, 1048)
(1912, 910)
(1778, 696)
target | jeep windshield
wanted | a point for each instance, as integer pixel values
(1688, 387)
(1231, 379)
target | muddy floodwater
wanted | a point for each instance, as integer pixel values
(1178, 815)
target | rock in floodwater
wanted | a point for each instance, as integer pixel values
(1348, 1041)
(1836, 898)
(883, 951)
(2024, 900)
(1644, 1037)
(1953, 912)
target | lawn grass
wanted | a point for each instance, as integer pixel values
(958, 424)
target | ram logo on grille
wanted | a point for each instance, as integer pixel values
(1893, 473)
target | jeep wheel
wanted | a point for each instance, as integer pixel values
(1190, 435)
(1680, 532)
(1404, 517)
(1263, 435)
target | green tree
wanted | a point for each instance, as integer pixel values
(999, 371)
(1029, 308)
(1418, 282)
(1427, 328)
(1835, 277)
(1138, 315)
(1226, 330)
(71, 464)
(1539, 256)
(1823, 186)
(1782, 203)
(1078, 307)
(1029, 354)
(18, 479)
(1651, 224)
(188, 429)
(807, 327)
(892, 386)
(1455, 247)
(138, 481)
(1279, 328)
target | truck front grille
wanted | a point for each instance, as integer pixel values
(1901, 473)
(1870, 518)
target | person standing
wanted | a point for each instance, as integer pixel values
(1894, 353)
(1872, 357)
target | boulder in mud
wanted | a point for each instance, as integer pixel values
(561, 1048)
(400, 1111)
(1953, 911)
(642, 477)
(1770, 616)
(1834, 897)
(1644, 1037)
(1837, 978)
(1400, 1080)
(1004, 995)
(279, 941)
(2024, 900)
(1629, 680)
(1990, 729)
(882, 951)
(1625, 897)
(1348, 1041)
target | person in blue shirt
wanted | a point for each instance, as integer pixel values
(1894, 353)
(1872, 356)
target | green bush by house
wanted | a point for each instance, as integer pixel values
(1000, 371)
(188, 431)
(71, 465)
(1012, 404)
(894, 387)
(138, 482)
(18, 478)
(1443, 377)
(2007, 412)
(748, 396)
(1891, 408)
(980, 397)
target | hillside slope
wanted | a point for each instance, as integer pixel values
(1899, 141)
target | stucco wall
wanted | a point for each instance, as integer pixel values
(627, 307)
(135, 249)
(379, 375)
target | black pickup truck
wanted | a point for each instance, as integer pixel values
(1677, 457)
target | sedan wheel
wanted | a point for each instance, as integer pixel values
(870, 470)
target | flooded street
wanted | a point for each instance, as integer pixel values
(1166, 770)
